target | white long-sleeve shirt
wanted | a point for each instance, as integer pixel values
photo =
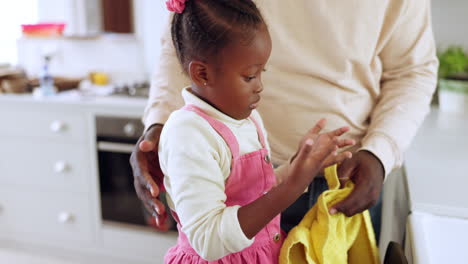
(196, 162)
(367, 64)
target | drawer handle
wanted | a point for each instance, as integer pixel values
(65, 217)
(57, 126)
(129, 129)
(61, 167)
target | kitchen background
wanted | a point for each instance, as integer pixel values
(109, 49)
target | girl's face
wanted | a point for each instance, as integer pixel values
(234, 83)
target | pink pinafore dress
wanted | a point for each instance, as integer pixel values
(251, 177)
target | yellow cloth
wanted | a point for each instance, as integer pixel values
(324, 238)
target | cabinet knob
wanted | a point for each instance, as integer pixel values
(65, 217)
(129, 129)
(57, 126)
(61, 167)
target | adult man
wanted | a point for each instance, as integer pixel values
(366, 64)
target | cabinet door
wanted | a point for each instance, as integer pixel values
(50, 217)
(39, 125)
(45, 165)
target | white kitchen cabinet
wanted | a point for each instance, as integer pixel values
(53, 217)
(49, 182)
(39, 124)
(45, 174)
(43, 164)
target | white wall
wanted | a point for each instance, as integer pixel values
(450, 22)
(82, 17)
(119, 55)
(151, 17)
(141, 54)
(12, 15)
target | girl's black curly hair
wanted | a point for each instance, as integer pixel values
(205, 27)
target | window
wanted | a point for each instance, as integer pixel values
(12, 15)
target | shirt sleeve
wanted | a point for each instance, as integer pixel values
(409, 65)
(190, 159)
(166, 83)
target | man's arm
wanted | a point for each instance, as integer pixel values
(409, 65)
(166, 83)
(408, 82)
(164, 98)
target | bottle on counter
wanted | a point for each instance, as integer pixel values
(46, 81)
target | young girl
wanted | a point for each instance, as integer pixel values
(221, 187)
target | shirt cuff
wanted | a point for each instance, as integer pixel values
(153, 116)
(384, 148)
(230, 229)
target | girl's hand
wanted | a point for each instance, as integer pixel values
(318, 151)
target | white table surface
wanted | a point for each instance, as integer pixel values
(437, 239)
(437, 166)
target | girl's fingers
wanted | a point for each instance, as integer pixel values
(338, 132)
(318, 126)
(338, 158)
(345, 143)
(305, 149)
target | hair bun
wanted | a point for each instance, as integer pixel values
(177, 6)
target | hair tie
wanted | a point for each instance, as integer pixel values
(177, 6)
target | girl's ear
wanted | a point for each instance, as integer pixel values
(198, 72)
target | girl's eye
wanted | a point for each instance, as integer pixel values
(249, 78)
(264, 70)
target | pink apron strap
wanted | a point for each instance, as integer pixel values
(259, 131)
(221, 128)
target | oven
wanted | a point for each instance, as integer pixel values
(116, 138)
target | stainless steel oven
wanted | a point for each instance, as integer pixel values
(116, 138)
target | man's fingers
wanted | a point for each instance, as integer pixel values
(151, 139)
(353, 204)
(142, 174)
(146, 145)
(343, 156)
(150, 185)
(158, 206)
(145, 197)
(152, 205)
(161, 222)
(345, 170)
(318, 126)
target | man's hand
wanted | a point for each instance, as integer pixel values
(147, 174)
(367, 173)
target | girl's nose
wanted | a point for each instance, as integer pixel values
(259, 88)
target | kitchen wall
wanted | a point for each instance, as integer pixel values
(120, 55)
(140, 54)
(152, 18)
(450, 22)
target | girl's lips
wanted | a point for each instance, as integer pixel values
(254, 105)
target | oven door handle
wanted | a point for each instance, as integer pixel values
(115, 147)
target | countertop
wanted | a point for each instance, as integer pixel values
(437, 239)
(115, 105)
(437, 165)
